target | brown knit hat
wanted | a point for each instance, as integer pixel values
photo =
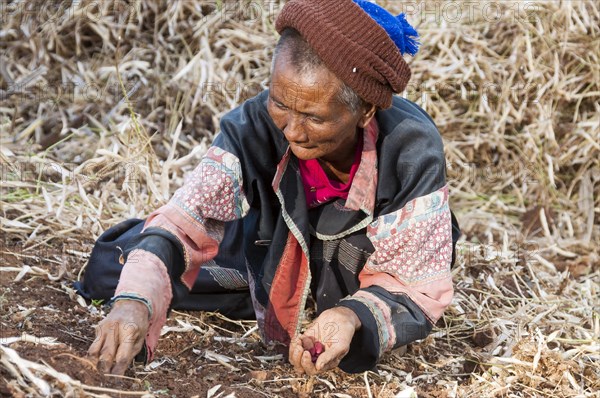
(352, 45)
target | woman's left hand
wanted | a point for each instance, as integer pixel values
(334, 328)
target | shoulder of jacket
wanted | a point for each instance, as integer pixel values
(405, 112)
(406, 123)
(401, 110)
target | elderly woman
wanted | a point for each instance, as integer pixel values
(326, 184)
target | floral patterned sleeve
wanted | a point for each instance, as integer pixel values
(181, 236)
(406, 283)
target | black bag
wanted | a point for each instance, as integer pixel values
(103, 269)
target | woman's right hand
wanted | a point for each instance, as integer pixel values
(120, 337)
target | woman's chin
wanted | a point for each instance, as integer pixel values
(304, 153)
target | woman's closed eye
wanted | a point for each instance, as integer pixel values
(278, 104)
(315, 119)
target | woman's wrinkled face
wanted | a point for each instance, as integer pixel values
(305, 107)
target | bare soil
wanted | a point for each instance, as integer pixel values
(42, 308)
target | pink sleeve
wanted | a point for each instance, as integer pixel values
(154, 287)
(212, 195)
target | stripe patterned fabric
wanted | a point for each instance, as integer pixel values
(228, 278)
(350, 257)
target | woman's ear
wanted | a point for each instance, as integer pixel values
(368, 112)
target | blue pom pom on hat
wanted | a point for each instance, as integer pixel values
(400, 31)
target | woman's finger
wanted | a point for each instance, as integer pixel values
(325, 363)
(307, 364)
(94, 350)
(295, 355)
(109, 349)
(308, 342)
(331, 357)
(125, 354)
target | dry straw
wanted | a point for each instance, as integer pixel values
(106, 105)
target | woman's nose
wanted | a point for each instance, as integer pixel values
(294, 129)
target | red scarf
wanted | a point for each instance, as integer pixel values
(319, 188)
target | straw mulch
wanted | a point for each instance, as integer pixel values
(106, 105)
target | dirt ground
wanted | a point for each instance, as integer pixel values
(187, 360)
(38, 307)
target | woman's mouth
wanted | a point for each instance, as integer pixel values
(303, 146)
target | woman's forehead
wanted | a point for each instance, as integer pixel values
(316, 85)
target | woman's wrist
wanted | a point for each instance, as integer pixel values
(132, 298)
(350, 315)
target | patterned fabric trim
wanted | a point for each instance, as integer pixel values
(414, 244)
(299, 312)
(212, 195)
(281, 167)
(378, 314)
(214, 189)
(229, 278)
(347, 232)
(301, 315)
(363, 190)
(383, 310)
